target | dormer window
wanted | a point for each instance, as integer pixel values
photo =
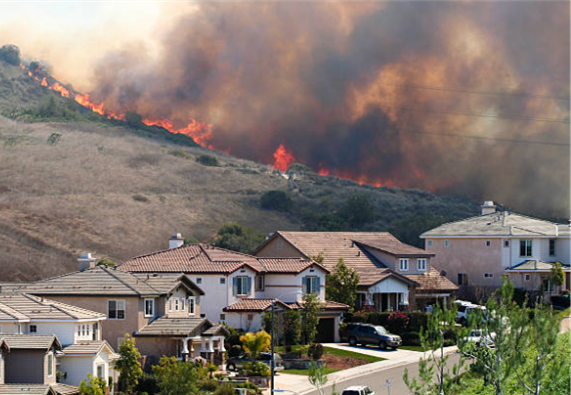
(311, 284)
(149, 308)
(421, 264)
(176, 304)
(242, 285)
(403, 265)
(191, 305)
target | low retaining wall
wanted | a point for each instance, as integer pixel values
(301, 363)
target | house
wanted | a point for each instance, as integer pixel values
(475, 252)
(29, 365)
(393, 275)
(239, 288)
(160, 310)
(27, 315)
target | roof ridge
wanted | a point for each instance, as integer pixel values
(107, 270)
(161, 251)
(8, 311)
(47, 301)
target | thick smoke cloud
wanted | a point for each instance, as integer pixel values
(377, 92)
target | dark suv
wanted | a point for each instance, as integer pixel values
(238, 362)
(370, 334)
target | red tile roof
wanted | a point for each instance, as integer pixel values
(395, 247)
(327, 305)
(254, 305)
(204, 258)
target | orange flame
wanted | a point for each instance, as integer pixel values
(283, 158)
(85, 102)
(201, 132)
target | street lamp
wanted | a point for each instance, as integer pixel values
(273, 360)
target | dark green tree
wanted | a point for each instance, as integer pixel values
(276, 200)
(357, 210)
(291, 327)
(93, 386)
(207, 160)
(341, 285)
(133, 119)
(237, 238)
(10, 54)
(179, 378)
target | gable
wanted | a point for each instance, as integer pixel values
(389, 285)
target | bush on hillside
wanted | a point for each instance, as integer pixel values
(10, 54)
(207, 160)
(238, 238)
(276, 200)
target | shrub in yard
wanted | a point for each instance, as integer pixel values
(315, 351)
(378, 318)
(210, 385)
(207, 160)
(411, 338)
(225, 389)
(397, 322)
(256, 368)
(234, 351)
(417, 320)
(147, 383)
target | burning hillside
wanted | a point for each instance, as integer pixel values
(465, 97)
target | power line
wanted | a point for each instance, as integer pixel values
(483, 115)
(475, 92)
(502, 140)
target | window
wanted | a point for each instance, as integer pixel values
(222, 280)
(116, 309)
(101, 371)
(488, 243)
(0, 328)
(421, 263)
(176, 304)
(33, 329)
(82, 330)
(79, 330)
(170, 304)
(506, 243)
(50, 364)
(311, 284)
(199, 280)
(259, 283)
(149, 307)
(403, 265)
(488, 275)
(182, 304)
(242, 285)
(525, 248)
(462, 279)
(429, 243)
(527, 277)
(446, 243)
(551, 247)
(87, 329)
(191, 305)
(222, 317)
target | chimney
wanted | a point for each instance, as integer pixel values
(176, 241)
(488, 207)
(86, 261)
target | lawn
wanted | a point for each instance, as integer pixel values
(351, 354)
(304, 372)
(411, 348)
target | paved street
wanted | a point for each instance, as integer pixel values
(374, 375)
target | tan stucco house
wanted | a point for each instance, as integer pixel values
(475, 252)
(393, 275)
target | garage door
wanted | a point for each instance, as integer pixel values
(325, 330)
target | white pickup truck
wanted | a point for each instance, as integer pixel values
(357, 390)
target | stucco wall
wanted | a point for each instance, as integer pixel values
(273, 250)
(26, 366)
(112, 329)
(277, 285)
(75, 368)
(470, 256)
(393, 262)
(243, 321)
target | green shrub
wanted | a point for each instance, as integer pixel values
(207, 160)
(276, 200)
(315, 351)
(418, 320)
(179, 153)
(397, 322)
(147, 383)
(209, 385)
(225, 389)
(256, 368)
(411, 338)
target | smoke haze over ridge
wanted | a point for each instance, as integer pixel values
(377, 92)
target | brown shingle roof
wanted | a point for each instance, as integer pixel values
(395, 247)
(328, 305)
(27, 389)
(64, 389)
(288, 265)
(165, 326)
(33, 307)
(36, 342)
(254, 304)
(88, 347)
(432, 280)
(164, 283)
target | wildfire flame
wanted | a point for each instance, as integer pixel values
(201, 132)
(283, 158)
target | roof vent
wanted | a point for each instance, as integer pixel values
(86, 261)
(176, 241)
(488, 207)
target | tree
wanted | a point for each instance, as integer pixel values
(357, 210)
(128, 365)
(255, 343)
(310, 317)
(434, 364)
(179, 378)
(237, 238)
(317, 377)
(106, 262)
(276, 200)
(95, 386)
(557, 276)
(207, 160)
(10, 54)
(291, 327)
(342, 285)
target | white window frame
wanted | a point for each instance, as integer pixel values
(403, 264)
(50, 364)
(176, 304)
(117, 309)
(191, 305)
(87, 330)
(418, 262)
(152, 313)
(222, 280)
(182, 304)
(102, 367)
(488, 243)
(19, 329)
(311, 285)
(552, 241)
(241, 282)
(79, 330)
(530, 245)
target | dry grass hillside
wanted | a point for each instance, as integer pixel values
(98, 186)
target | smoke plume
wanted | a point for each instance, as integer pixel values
(452, 97)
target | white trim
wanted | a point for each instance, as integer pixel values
(124, 309)
(50, 354)
(145, 307)
(401, 260)
(193, 304)
(425, 264)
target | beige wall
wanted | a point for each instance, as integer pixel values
(469, 256)
(272, 249)
(112, 329)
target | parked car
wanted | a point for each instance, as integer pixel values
(465, 309)
(477, 336)
(560, 302)
(238, 362)
(370, 334)
(357, 390)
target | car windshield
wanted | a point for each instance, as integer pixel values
(351, 392)
(381, 330)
